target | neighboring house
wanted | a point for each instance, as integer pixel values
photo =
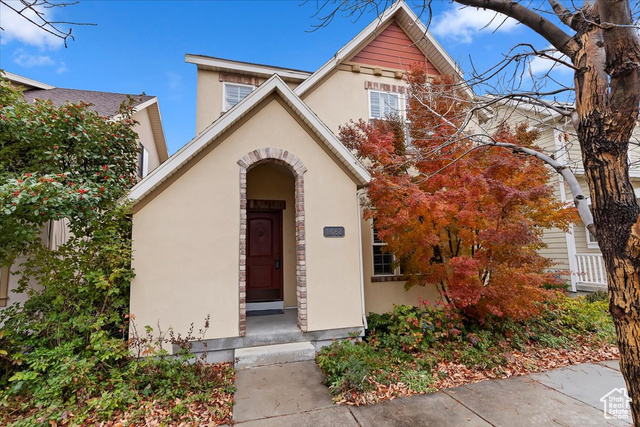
(153, 151)
(261, 210)
(576, 252)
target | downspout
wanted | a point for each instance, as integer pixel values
(359, 226)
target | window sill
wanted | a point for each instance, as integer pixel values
(376, 279)
(593, 245)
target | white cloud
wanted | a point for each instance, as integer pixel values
(174, 80)
(27, 60)
(461, 24)
(16, 27)
(540, 65)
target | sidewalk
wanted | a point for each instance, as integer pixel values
(293, 395)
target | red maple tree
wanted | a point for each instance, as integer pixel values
(465, 218)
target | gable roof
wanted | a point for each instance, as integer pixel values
(411, 24)
(107, 104)
(275, 84)
(104, 103)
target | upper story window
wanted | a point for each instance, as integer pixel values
(234, 93)
(143, 161)
(385, 104)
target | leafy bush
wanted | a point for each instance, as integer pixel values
(348, 365)
(65, 353)
(407, 344)
(597, 296)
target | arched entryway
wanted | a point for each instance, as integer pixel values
(295, 166)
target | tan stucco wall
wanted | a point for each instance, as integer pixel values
(146, 138)
(208, 100)
(380, 297)
(268, 181)
(342, 97)
(186, 244)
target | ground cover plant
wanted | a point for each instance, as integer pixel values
(416, 350)
(67, 356)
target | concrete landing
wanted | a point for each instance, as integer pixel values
(272, 354)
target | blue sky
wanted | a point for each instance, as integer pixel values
(140, 45)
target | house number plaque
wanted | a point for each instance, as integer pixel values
(333, 232)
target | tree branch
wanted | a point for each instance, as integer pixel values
(558, 38)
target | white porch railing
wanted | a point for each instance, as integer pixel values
(591, 269)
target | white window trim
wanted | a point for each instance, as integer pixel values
(224, 92)
(396, 270)
(401, 103)
(402, 111)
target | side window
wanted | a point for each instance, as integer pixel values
(143, 161)
(383, 262)
(4, 286)
(592, 242)
(234, 93)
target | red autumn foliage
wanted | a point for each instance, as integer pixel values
(465, 218)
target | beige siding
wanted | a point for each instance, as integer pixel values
(186, 246)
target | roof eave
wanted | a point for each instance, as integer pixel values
(218, 64)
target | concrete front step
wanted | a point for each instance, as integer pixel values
(272, 354)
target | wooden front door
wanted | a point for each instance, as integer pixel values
(264, 256)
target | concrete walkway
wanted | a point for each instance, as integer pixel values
(292, 394)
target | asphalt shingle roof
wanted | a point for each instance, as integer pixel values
(105, 103)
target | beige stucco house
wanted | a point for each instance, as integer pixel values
(261, 210)
(153, 151)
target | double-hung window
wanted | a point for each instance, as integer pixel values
(234, 93)
(385, 104)
(383, 262)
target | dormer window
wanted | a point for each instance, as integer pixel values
(234, 93)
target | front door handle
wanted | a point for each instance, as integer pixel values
(277, 263)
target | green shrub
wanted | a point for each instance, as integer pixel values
(597, 296)
(349, 365)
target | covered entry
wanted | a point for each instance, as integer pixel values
(272, 234)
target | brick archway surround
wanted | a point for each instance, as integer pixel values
(297, 168)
